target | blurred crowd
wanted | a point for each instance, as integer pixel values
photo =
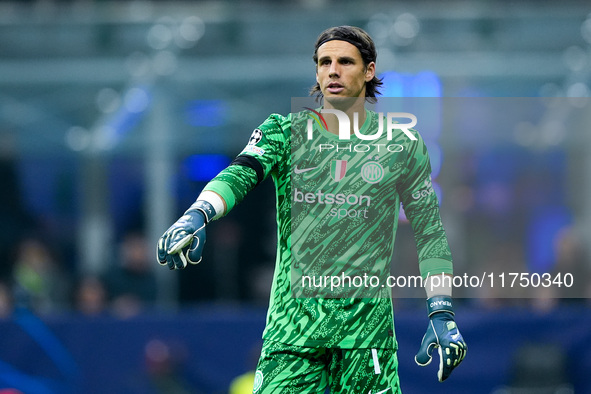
(38, 281)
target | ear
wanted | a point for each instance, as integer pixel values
(370, 71)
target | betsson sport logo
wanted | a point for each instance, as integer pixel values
(345, 130)
(358, 205)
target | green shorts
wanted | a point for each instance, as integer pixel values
(294, 369)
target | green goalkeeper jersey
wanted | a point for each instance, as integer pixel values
(337, 214)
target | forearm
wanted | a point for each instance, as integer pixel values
(430, 238)
(228, 188)
(435, 286)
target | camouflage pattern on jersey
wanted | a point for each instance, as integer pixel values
(313, 319)
(344, 210)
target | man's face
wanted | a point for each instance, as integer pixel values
(340, 71)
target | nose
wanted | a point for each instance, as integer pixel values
(334, 70)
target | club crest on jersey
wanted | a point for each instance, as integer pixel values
(256, 136)
(372, 172)
(338, 169)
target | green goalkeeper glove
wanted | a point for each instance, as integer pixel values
(183, 242)
(442, 334)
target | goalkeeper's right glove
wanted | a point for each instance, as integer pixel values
(183, 242)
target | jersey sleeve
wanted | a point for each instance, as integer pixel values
(421, 207)
(257, 160)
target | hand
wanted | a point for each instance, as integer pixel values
(442, 334)
(183, 242)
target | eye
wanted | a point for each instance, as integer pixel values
(325, 62)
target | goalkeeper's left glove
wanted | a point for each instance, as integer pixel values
(183, 242)
(444, 335)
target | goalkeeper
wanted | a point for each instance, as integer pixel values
(342, 222)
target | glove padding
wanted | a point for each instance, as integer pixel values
(443, 334)
(183, 242)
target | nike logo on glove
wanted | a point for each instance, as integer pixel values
(302, 170)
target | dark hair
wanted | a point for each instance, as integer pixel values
(358, 37)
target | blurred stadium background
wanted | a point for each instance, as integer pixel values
(114, 114)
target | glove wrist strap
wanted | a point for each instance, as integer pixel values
(205, 207)
(439, 304)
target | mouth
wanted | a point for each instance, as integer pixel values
(334, 88)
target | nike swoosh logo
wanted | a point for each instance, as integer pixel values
(302, 170)
(383, 391)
